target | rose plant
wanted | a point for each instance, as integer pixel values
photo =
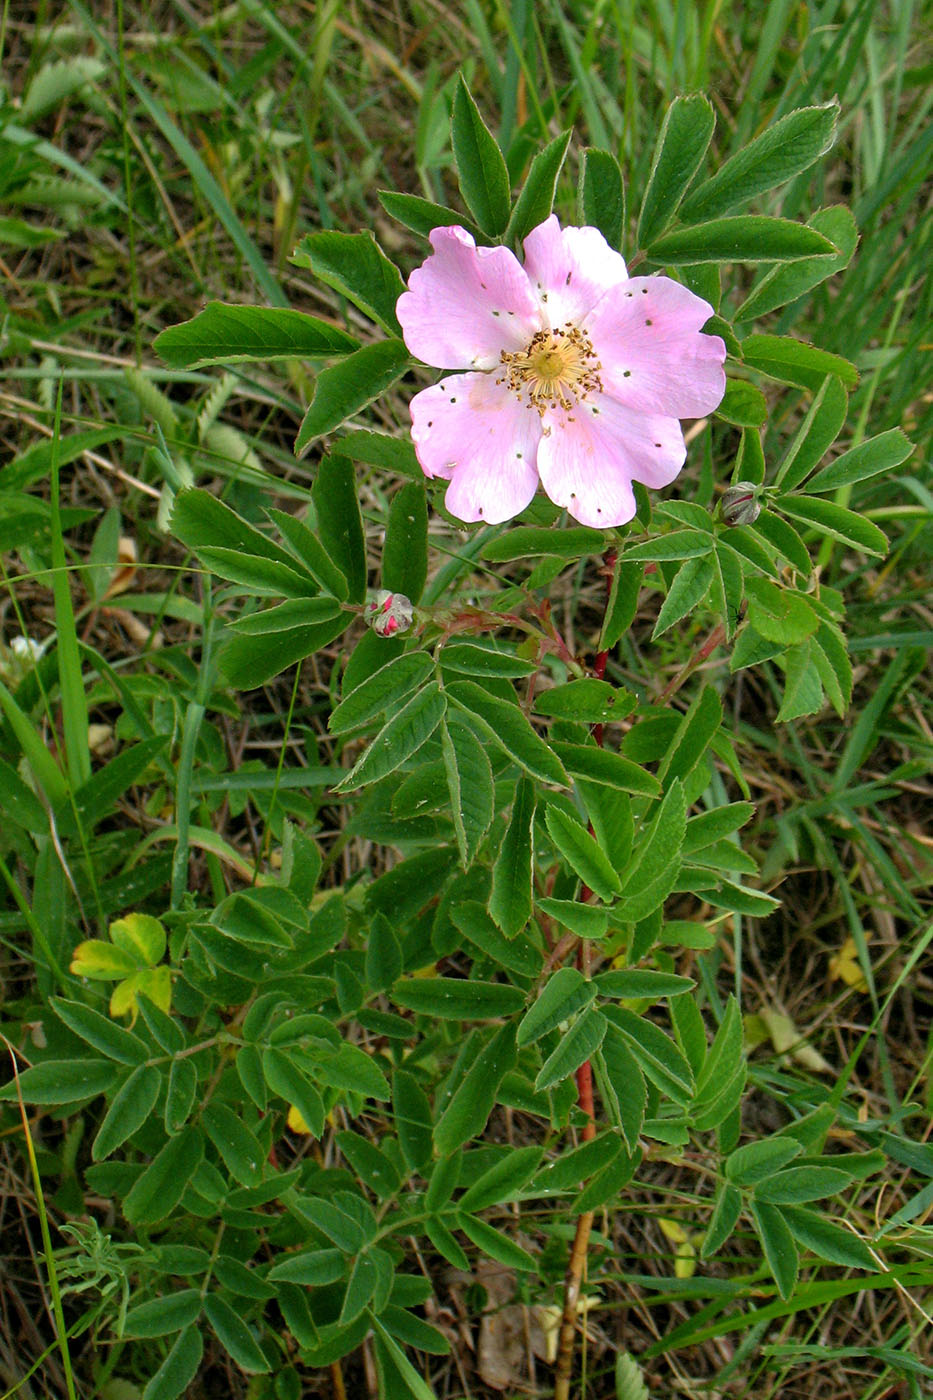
(564, 828)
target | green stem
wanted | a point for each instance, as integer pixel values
(74, 701)
(57, 1311)
(192, 728)
(51, 962)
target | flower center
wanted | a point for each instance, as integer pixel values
(556, 369)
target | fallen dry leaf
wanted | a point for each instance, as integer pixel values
(777, 1026)
(125, 571)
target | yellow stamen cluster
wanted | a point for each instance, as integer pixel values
(556, 369)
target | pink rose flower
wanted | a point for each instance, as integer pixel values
(576, 374)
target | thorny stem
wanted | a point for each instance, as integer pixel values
(714, 640)
(576, 1266)
(568, 1324)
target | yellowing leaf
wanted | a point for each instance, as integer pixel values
(844, 965)
(138, 943)
(756, 1032)
(141, 936)
(685, 1252)
(296, 1122)
(153, 982)
(156, 984)
(100, 961)
(673, 1231)
(685, 1260)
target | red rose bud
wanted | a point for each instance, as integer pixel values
(388, 613)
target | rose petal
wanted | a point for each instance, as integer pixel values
(571, 269)
(646, 336)
(593, 453)
(472, 431)
(466, 304)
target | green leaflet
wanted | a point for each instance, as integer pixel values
(590, 700)
(226, 334)
(787, 281)
(384, 688)
(510, 902)
(723, 1221)
(236, 1143)
(744, 238)
(602, 194)
(454, 998)
(566, 993)
(131, 1106)
(178, 1369)
(472, 1101)
(816, 434)
(576, 1046)
(682, 143)
(582, 853)
(62, 1081)
(536, 200)
(354, 265)
(507, 726)
(783, 150)
(878, 454)
(470, 785)
(403, 736)
(405, 555)
(339, 522)
(234, 1335)
(660, 1059)
(349, 386)
(778, 1244)
(423, 216)
(161, 1186)
(481, 168)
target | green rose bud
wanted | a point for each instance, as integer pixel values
(740, 504)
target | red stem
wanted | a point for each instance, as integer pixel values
(577, 1263)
